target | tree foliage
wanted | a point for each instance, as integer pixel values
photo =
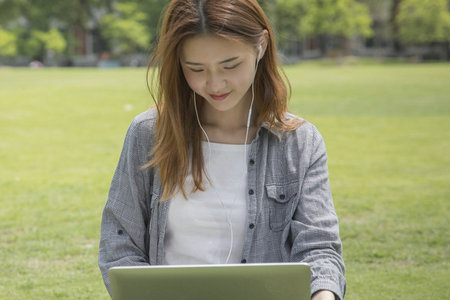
(343, 18)
(424, 21)
(51, 40)
(33, 27)
(42, 25)
(125, 28)
(153, 9)
(38, 43)
(288, 14)
(7, 43)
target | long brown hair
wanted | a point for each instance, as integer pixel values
(177, 147)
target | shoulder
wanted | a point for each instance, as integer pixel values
(302, 144)
(144, 122)
(140, 132)
(306, 134)
(291, 153)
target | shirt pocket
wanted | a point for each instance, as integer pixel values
(281, 201)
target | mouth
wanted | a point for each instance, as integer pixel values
(219, 97)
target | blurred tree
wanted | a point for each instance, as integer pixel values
(288, 14)
(424, 21)
(394, 26)
(125, 28)
(44, 45)
(10, 10)
(7, 43)
(269, 8)
(52, 40)
(380, 11)
(42, 14)
(153, 10)
(25, 17)
(339, 19)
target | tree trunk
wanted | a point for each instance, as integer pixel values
(397, 46)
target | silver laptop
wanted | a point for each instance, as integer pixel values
(287, 281)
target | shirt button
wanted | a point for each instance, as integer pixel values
(250, 192)
(120, 232)
(244, 261)
(282, 196)
(251, 226)
(252, 162)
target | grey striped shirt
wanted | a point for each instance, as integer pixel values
(290, 212)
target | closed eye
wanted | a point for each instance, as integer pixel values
(232, 67)
(226, 68)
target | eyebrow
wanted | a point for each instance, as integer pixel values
(222, 62)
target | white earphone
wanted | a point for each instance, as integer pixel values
(227, 213)
(259, 51)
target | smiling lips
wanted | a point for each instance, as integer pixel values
(219, 97)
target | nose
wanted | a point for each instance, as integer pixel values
(216, 83)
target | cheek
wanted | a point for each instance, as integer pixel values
(193, 80)
(243, 78)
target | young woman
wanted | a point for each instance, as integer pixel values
(219, 172)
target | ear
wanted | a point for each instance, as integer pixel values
(263, 43)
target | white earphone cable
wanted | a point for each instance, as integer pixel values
(230, 224)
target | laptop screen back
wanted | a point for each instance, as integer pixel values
(241, 281)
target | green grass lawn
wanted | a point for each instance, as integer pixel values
(387, 130)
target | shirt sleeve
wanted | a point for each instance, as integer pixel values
(315, 229)
(124, 235)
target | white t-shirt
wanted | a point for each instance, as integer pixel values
(198, 230)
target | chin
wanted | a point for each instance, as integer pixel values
(226, 106)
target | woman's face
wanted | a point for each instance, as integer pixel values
(219, 70)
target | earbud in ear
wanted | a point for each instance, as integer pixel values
(259, 51)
